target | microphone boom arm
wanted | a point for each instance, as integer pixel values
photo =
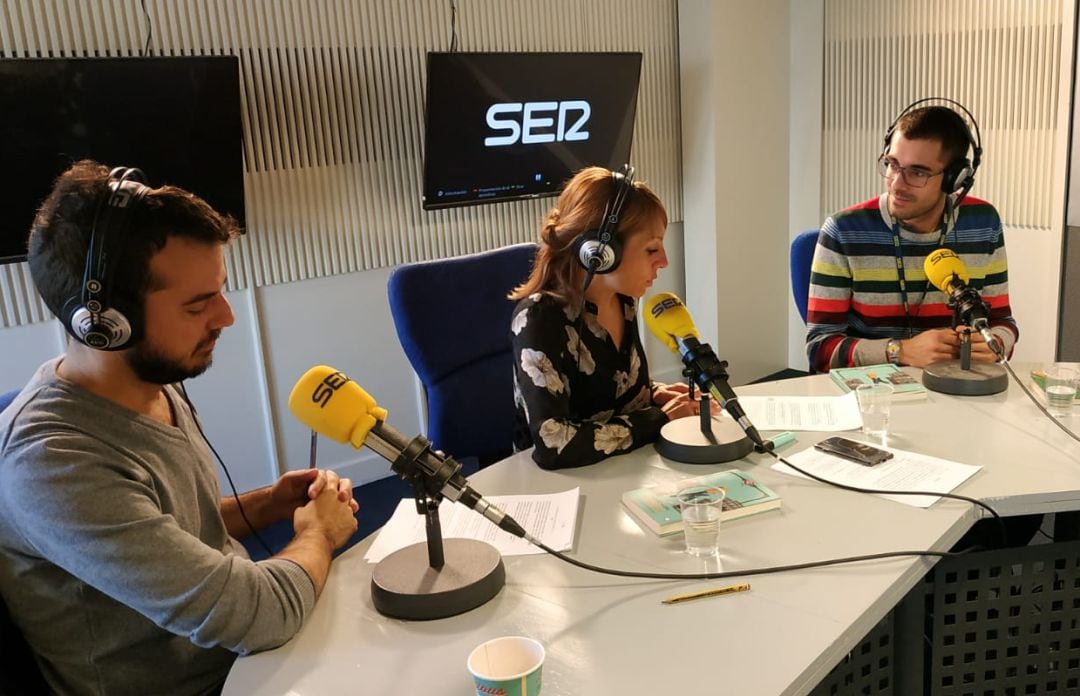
(970, 309)
(441, 474)
(712, 377)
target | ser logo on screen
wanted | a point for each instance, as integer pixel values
(532, 122)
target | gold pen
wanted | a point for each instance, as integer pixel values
(676, 599)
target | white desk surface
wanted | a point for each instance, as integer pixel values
(608, 635)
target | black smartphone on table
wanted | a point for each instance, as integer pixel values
(855, 451)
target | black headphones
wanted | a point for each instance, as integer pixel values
(102, 316)
(959, 175)
(599, 250)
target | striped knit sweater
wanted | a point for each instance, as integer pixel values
(855, 304)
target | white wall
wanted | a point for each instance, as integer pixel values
(23, 348)
(735, 74)
(804, 202)
(663, 365)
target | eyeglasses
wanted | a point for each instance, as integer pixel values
(915, 177)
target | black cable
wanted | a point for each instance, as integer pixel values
(149, 33)
(590, 273)
(453, 26)
(782, 568)
(739, 573)
(1035, 401)
(236, 496)
(797, 566)
(857, 489)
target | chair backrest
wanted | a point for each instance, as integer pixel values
(7, 397)
(453, 320)
(802, 255)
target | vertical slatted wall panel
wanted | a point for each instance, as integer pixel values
(333, 105)
(999, 58)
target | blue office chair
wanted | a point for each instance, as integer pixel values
(802, 256)
(7, 397)
(453, 320)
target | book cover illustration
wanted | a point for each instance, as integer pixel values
(904, 385)
(658, 509)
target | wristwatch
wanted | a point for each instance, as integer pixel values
(892, 351)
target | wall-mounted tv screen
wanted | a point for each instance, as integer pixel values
(502, 126)
(177, 119)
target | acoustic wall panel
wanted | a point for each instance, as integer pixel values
(333, 113)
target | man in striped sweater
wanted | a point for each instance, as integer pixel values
(870, 301)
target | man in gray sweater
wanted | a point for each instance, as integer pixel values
(118, 558)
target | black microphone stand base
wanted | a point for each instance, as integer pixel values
(950, 377)
(683, 441)
(405, 586)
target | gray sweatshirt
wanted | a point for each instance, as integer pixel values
(114, 558)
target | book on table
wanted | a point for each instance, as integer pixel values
(904, 385)
(657, 509)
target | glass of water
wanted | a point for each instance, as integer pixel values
(875, 403)
(701, 507)
(1060, 388)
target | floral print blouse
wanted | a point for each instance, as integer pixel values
(580, 398)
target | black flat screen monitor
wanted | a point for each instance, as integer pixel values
(177, 119)
(502, 126)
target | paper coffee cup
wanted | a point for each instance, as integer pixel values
(507, 666)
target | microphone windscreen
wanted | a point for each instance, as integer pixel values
(669, 319)
(942, 266)
(331, 404)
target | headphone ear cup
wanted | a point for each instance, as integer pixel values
(111, 331)
(106, 330)
(592, 257)
(957, 176)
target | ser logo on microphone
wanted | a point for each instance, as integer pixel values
(537, 120)
(326, 388)
(664, 304)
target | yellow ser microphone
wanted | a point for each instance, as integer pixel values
(670, 321)
(331, 404)
(946, 271)
(351, 417)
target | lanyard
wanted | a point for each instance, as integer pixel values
(947, 223)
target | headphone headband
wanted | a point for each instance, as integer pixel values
(599, 250)
(624, 186)
(963, 177)
(92, 317)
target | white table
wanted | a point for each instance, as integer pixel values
(608, 635)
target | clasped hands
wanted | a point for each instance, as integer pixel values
(935, 345)
(319, 497)
(674, 400)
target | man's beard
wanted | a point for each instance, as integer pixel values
(151, 366)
